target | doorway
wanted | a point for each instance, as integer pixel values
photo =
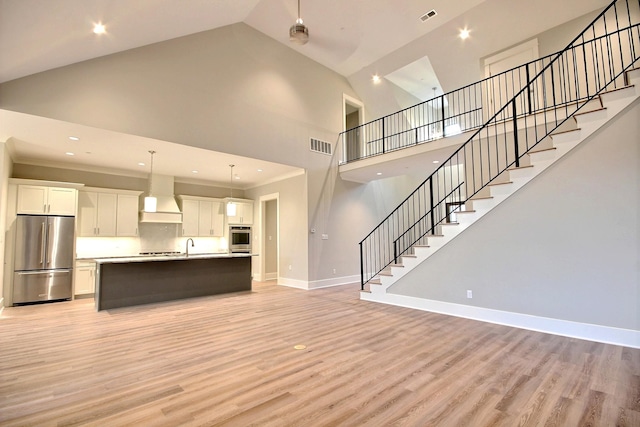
(353, 116)
(501, 91)
(270, 232)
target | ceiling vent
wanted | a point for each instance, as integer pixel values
(428, 15)
(320, 146)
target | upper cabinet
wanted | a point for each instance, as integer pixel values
(43, 200)
(127, 215)
(190, 216)
(107, 212)
(211, 218)
(202, 216)
(244, 212)
(97, 214)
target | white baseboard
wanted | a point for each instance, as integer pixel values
(271, 276)
(1, 305)
(293, 283)
(317, 284)
(335, 281)
(585, 331)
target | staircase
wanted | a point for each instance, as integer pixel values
(579, 90)
(598, 112)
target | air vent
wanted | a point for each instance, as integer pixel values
(320, 146)
(428, 15)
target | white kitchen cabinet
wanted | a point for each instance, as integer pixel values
(127, 215)
(244, 213)
(84, 278)
(211, 219)
(202, 216)
(105, 212)
(38, 199)
(97, 214)
(190, 217)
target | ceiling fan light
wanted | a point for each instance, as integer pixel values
(299, 33)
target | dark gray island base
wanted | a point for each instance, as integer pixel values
(135, 281)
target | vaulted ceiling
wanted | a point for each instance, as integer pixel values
(355, 38)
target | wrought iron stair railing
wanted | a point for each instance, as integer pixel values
(595, 61)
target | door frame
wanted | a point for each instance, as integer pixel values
(349, 101)
(263, 235)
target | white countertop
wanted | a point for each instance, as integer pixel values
(147, 258)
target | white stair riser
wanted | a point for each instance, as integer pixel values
(572, 136)
(522, 173)
(581, 119)
(542, 156)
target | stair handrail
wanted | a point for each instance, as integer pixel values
(367, 272)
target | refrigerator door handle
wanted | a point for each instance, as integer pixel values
(43, 244)
(47, 244)
(34, 273)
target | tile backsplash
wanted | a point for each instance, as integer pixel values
(153, 238)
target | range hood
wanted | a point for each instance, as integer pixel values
(167, 210)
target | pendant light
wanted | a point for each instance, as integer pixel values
(299, 33)
(231, 206)
(151, 202)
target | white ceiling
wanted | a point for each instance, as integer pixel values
(346, 36)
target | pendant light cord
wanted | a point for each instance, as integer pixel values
(151, 174)
(231, 181)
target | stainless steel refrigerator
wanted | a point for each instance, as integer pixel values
(43, 262)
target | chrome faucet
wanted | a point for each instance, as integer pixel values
(192, 245)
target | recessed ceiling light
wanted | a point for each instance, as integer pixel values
(194, 171)
(69, 153)
(74, 138)
(236, 177)
(379, 173)
(436, 161)
(140, 164)
(464, 34)
(259, 170)
(99, 28)
(376, 78)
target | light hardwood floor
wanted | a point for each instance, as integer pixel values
(230, 360)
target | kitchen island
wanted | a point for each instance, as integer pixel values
(123, 282)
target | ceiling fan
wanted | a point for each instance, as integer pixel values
(299, 33)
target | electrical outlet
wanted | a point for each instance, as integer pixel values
(325, 237)
(469, 294)
(334, 271)
(289, 267)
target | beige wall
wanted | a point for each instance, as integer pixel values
(231, 89)
(292, 194)
(566, 246)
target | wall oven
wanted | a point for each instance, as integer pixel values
(239, 239)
